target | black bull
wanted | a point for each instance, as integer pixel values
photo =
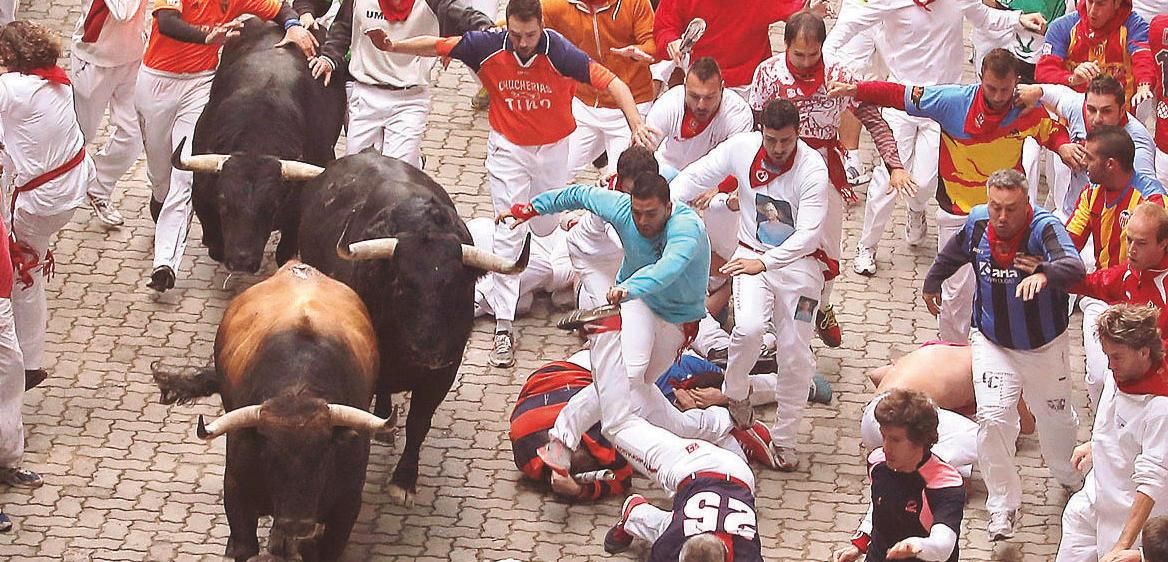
(413, 266)
(267, 127)
(295, 364)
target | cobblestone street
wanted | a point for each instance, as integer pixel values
(126, 478)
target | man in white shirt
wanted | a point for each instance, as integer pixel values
(692, 120)
(107, 49)
(1128, 478)
(389, 98)
(926, 47)
(778, 269)
(548, 269)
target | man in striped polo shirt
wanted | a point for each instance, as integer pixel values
(1019, 338)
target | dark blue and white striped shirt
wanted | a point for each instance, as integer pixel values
(998, 313)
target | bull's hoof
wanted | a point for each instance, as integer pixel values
(400, 496)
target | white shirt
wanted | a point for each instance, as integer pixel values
(926, 47)
(369, 65)
(123, 37)
(1147, 9)
(1129, 452)
(801, 197)
(733, 117)
(39, 131)
(819, 115)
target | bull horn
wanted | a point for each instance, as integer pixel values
(378, 248)
(482, 259)
(293, 170)
(356, 418)
(240, 418)
(200, 163)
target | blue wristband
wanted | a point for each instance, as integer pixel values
(292, 23)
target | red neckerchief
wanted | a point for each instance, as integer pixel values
(1155, 382)
(396, 14)
(53, 74)
(1094, 36)
(760, 175)
(612, 182)
(981, 118)
(924, 4)
(94, 21)
(809, 81)
(691, 126)
(1003, 251)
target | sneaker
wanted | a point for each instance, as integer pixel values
(786, 459)
(865, 261)
(827, 327)
(503, 354)
(915, 228)
(21, 478)
(1002, 524)
(161, 279)
(481, 100)
(617, 539)
(756, 443)
(34, 377)
(555, 455)
(104, 210)
(820, 390)
(855, 171)
(741, 412)
(693, 32)
(5, 523)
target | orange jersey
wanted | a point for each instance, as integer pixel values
(171, 55)
(1103, 216)
(531, 101)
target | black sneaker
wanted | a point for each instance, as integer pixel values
(162, 279)
(34, 377)
(5, 523)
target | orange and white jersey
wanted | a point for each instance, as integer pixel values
(166, 54)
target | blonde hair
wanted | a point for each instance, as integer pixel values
(1134, 326)
(1155, 213)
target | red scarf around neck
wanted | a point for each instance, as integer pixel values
(94, 21)
(1154, 382)
(760, 175)
(53, 74)
(1003, 250)
(691, 126)
(396, 14)
(981, 118)
(1095, 35)
(807, 81)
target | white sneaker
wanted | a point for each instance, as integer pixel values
(865, 261)
(915, 228)
(104, 210)
(855, 170)
(503, 352)
(1002, 524)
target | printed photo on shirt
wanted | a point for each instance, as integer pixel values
(775, 220)
(805, 310)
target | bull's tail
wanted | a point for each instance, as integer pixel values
(185, 388)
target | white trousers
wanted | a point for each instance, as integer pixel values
(393, 122)
(29, 304)
(722, 228)
(1087, 536)
(1000, 377)
(516, 174)
(94, 89)
(918, 141)
(8, 11)
(599, 130)
(614, 398)
(776, 297)
(168, 107)
(857, 51)
(957, 291)
(669, 459)
(956, 436)
(1097, 364)
(710, 336)
(11, 390)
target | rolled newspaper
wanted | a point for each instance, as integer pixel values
(594, 475)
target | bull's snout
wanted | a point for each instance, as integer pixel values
(243, 263)
(299, 528)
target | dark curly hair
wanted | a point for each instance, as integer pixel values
(25, 45)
